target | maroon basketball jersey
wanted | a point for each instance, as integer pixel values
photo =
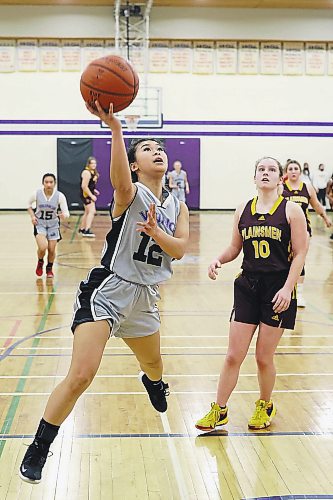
(266, 238)
(300, 196)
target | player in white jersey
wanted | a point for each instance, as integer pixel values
(150, 227)
(45, 219)
(178, 182)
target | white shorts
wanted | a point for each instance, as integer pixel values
(51, 233)
(130, 309)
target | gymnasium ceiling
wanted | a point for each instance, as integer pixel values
(260, 4)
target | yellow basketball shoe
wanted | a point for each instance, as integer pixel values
(263, 415)
(215, 417)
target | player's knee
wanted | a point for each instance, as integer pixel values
(233, 358)
(263, 360)
(80, 380)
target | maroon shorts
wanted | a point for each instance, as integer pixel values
(253, 294)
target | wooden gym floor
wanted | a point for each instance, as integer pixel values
(114, 445)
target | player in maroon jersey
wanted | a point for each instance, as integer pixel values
(272, 234)
(304, 195)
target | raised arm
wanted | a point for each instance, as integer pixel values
(120, 173)
(318, 206)
(232, 251)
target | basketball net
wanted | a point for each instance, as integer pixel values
(132, 121)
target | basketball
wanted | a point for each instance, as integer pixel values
(109, 79)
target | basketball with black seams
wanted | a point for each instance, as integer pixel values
(109, 79)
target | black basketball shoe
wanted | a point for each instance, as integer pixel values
(33, 462)
(157, 392)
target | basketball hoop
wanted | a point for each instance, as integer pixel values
(132, 121)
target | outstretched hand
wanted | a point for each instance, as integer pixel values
(213, 269)
(107, 117)
(149, 226)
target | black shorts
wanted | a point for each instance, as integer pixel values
(253, 294)
(86, 200)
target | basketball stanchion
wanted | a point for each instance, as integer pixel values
(132, 121)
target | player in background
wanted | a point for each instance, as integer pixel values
(178, 182)
(304, 194)
(45, 219)
(88, 195)
(272, 234)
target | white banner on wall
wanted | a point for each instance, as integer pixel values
(27, 54)
(330, 59)
(71, 55)
(181, 57)
(315, 58)
(270, 58)
(159, 57)
(137, 56)
(49, 55)
(7, 56)
(91, 50)
(226, 58)
(293, 58)
(248, 57)
(203, 58)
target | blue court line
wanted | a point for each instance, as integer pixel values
(143, 132)
(290, 497)
(8, 351)
(175, 122)
(178, 435)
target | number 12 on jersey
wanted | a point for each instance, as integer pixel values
(149, 258)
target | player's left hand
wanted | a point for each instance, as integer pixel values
(281, 300)
(328, 223)
(149, 226)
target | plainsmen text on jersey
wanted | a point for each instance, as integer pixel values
(266, 238)
(300, 196)
(133, 255)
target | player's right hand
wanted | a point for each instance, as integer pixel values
(108, 118)
(34, 221)
(212, 269)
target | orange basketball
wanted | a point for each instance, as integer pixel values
(109, 79)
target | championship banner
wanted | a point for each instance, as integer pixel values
(181, 57)
(49, 55)
(91, 49)
(27, 54)
(270, 58)
(203, 58)
(137, 57)
(315, 58)
(226, 58)
(7, 56)
(159, 60)
(71, 55)
(330, 59)
(293, 58)
(248, 58)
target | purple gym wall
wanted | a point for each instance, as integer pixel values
(185, 150)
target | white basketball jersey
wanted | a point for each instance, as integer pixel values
(46, 209)
(178, 178)
(133, 255)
